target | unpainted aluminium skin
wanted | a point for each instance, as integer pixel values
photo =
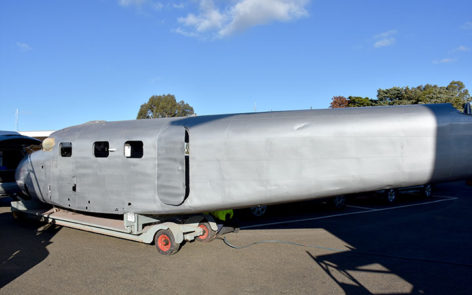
(204, 163)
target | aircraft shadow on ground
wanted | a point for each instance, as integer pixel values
(23, 245)
(415, 250)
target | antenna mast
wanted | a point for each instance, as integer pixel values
(17, 117)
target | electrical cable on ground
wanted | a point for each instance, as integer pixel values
(277, 242)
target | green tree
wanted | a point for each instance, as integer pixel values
(458, 93)
(164, 106)
(393, 96)
(455, 93)
(357, 101)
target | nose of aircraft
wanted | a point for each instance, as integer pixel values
(23, 176)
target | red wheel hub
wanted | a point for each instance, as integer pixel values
(163, 242)
(205, 232)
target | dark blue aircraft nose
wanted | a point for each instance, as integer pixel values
(24, 178)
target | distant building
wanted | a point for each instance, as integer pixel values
(41, 135)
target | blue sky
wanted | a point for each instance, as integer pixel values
(67, 62)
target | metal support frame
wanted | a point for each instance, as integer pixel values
(135, 227)
(136, 222)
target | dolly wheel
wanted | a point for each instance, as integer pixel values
(428, 191)
(339, 202)
(258, 211)
(18, 216)
(391, 196)
(208, 234)
(165, 242)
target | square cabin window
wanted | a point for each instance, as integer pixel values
(133, 149)
(66, 149)
(101, 149)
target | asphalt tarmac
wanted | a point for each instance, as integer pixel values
(416, 246)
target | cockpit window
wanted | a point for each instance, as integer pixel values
(101, 149)
(66, 149)
(133, 149)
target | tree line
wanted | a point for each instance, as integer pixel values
(164, 106)
(455, 93)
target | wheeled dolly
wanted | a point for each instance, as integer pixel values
(168, 233)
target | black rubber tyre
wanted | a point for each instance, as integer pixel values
(18, 216)
(258, 211)
(165, 242)
(428, 191)
(391, 196)
(208, 234)
(338, 202)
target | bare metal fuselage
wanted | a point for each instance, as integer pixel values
(197, 164)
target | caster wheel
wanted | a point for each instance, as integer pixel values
(428, 191)
(208, 234)
(165, 242)
(258, 211)
(18, 216)
(391, 196)
(338, 202)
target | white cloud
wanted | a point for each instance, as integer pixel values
(140, 3)
(23, 46)
(458, 50)
(250, 13)
(239, 16)
(386, 34)
(186, 33)
(444, 60)
(462, 48)
(385, 39)
(384, 42)
(209, 18)
(157, 5)
(178, 5)
(131, 2)
(467, 26)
